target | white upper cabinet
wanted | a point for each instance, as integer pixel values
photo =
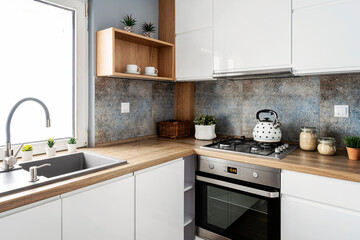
(194, 40)
(192, 15)
(37, 221)
(252, 35)
(194, 57)
(160, 202)
(101, 211)
(326, 36)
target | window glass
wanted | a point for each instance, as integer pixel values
(37, 60)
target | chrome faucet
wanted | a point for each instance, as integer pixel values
(10, 159)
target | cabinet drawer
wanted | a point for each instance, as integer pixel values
(326, 190)
(305, 220)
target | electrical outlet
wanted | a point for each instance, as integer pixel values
(341, 111)
(125, 107)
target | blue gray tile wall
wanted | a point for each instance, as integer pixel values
(298, 101)
(150, 102)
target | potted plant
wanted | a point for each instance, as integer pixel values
(352, 144)
(205, 127)
(49, 148)
(71, 144)
(27, 152)
(148, 29)
(129, 23)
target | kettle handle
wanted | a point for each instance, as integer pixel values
(267, 111)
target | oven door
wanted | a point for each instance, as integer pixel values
(228, 209)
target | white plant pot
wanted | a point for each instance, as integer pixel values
(129, 28)
(26, 155)
(71, 148)
(50, 152)
(205, 132)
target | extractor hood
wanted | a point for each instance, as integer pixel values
(254, 74)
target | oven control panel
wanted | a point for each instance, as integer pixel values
(241, 171)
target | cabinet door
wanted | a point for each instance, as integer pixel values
(160, 202)
(302, 219)
(38, 221)
(194, 56)
(103, 211)
(192, 15)
(326, 37)
(252, 34)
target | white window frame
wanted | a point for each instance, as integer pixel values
(81, 75)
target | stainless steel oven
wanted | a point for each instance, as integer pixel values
(237, 200)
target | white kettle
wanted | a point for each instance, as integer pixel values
(267, 130)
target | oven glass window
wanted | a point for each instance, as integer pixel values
(237, 214)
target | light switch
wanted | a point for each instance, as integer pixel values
(341, 111)
(125, 107)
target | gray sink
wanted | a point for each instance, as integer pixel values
(62, 167)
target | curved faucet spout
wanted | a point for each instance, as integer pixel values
(8, 122)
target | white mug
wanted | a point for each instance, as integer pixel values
(132, 68)
(151, 71)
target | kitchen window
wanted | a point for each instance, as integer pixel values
(44, 55)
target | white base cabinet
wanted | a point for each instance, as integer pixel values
(316, 208)
(38, 221)
(101, 211)
(159, 202)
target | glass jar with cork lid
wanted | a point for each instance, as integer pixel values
(327, 146)
(308, 138)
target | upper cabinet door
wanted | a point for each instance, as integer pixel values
(326, 36)
(194, 55)
(192, 15)
(252, 34)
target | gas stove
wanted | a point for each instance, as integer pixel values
(250, 147)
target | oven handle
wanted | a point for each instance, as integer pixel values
(239, 187)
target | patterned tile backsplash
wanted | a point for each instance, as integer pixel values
(150, 102)
(298, 101)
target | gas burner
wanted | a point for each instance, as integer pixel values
(224, 145)
(255, 149)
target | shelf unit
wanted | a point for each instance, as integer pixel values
(189, 197)
(117, 48)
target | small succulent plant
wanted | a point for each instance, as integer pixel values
(205, 120)
(128, 20)
(27, 148)
(148, 27)
(72, 141)
(50, 142)
(352, 141)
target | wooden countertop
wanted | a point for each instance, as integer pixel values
(150, 152)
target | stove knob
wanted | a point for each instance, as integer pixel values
(255, 174)
(281, 148)
(211, 166)
(277, 150)
(286, 145)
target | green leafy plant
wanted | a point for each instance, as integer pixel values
(352, 141)
(128, 20)
(72, 141)
(27, 148)
(50, 142)
(205, 120)
(148, 27)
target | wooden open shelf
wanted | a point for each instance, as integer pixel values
(116, 48)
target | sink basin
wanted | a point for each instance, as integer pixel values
(62, 167)
(77, 163)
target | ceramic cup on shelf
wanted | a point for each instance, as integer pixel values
(151, 71)
(132, 68)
